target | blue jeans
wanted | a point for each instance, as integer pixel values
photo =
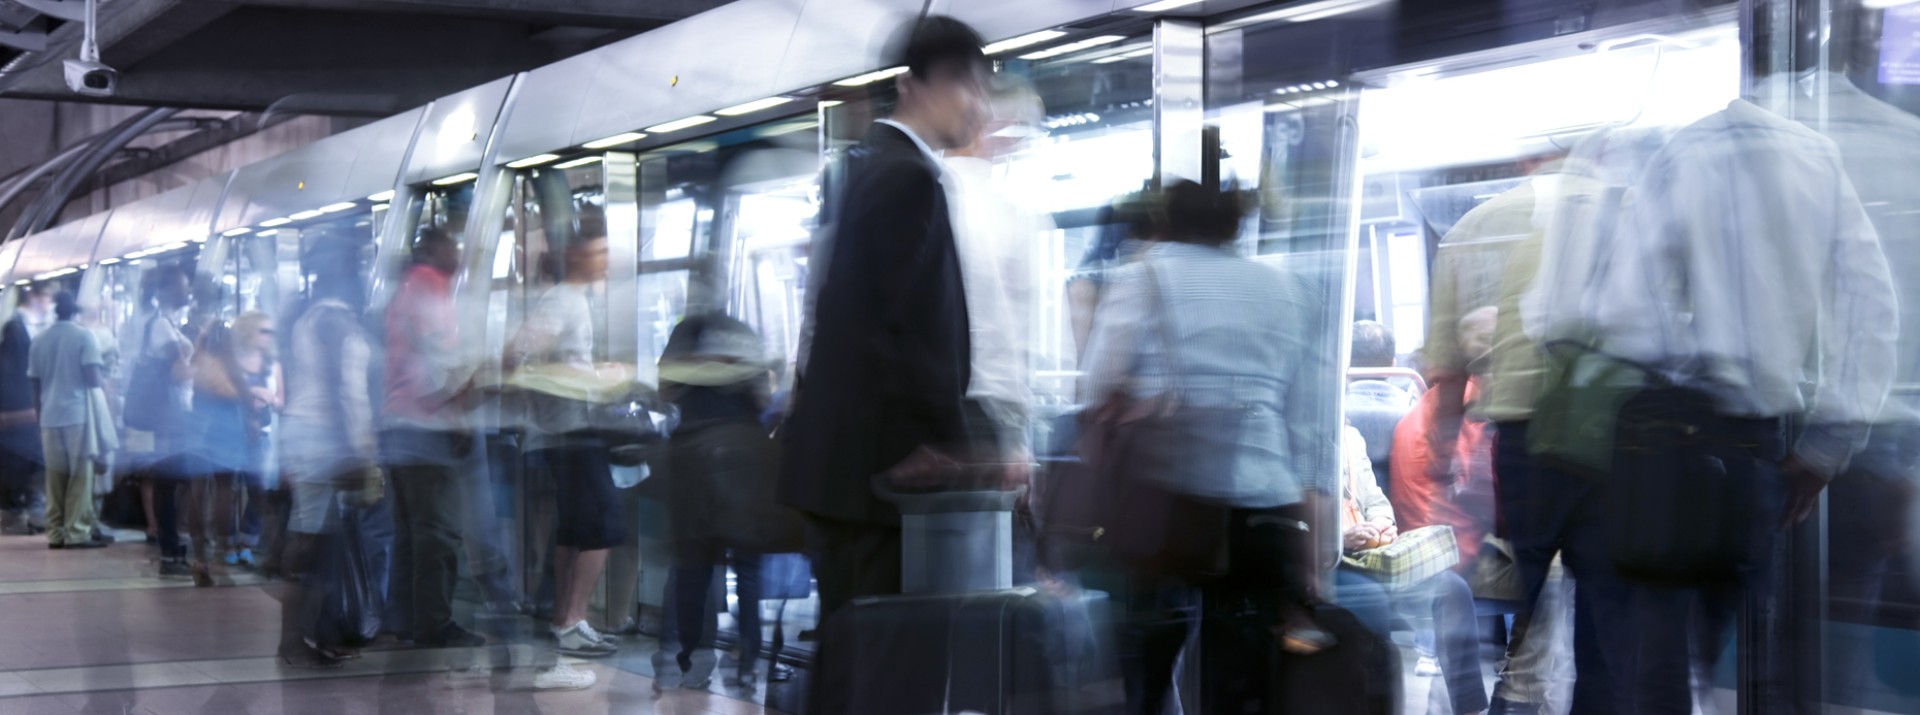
(692, 584)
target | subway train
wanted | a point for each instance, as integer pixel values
(1369, 130)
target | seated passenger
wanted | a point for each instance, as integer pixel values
(1367, 522)
(1375, 406)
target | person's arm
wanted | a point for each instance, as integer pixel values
(1859, 319)
(1446, 371)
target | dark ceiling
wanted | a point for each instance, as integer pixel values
(363, 57)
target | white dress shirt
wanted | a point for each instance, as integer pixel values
(1743, 259)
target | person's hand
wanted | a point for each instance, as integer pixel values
(263, 397)
(1387, 532)
(923, 468)
(1358, 537)
(1803, 489)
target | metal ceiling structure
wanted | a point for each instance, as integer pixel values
(358, 57)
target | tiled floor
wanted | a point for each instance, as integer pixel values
(97, 632)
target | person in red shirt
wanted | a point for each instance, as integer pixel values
(1461, 495)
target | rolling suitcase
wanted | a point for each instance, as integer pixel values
(983, 652)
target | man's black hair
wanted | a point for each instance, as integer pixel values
(65, 305)
(1197, 214)
(1372, 345)
(938, 44)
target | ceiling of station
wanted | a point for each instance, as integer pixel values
(365, 57)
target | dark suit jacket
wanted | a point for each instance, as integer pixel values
(889, 363)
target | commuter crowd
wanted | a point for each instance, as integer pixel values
(1589, 459)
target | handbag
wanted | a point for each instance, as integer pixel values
(1115, 501)
(1684, 498)
(150, 406)
(785, 576)
(1576, 416)
(1496, 572)
(1415, 556)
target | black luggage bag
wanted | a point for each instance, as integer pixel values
(984, 652)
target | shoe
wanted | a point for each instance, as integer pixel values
(307, 657)
(56, 545)
(626, 627)
(88, 544)
(174, 568)
(104, 537)
(1427, 667)
(500, 609)
(245, 557)
(563, 677)
(699, 682)
(153, 538)
(232, 558)
(602, 637)
(341, 654)
(745, 679)
(202, 576)
(452, 636)
(578, 641)
(779, 673)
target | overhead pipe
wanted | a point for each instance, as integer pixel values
(44, 210)
(18, 185)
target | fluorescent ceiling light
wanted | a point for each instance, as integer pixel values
(267, 234)
(175, 246)
(788, 129)
(109, 261)
(336, 208)
(382, 196)
(242, 231)
(830, 103)
(1884, 4)
(381, 207)
(1073, 47)
(22, 282)
(1028, 40)
(534, 160)
(1143, 52)
(272, 222)
(1164, 5)
(753, 106)
(870, 77)
(199, 239)
(1305, 13)
(582, 161)
(460, 178)
(615, 140)
(304, 215)
(679, 124)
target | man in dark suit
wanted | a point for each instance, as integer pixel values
(883, 388)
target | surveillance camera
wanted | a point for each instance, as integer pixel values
(91, 78)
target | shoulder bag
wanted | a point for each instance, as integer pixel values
(1115, 500)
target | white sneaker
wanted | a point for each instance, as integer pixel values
(563, 677)
(1427, 667)
(580, 641)
(598, 636)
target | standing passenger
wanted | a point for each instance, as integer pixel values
(559, 333)
(885, 385)
(426, 439)
(328, 448)
(20, 497)
(65, 366)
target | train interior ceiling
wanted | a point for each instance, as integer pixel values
(1367, 128)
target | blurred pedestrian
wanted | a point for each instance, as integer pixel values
(76, 430)
(157, 400)
(1193, 316)
(1747, 284)
(558, 336)
(425, 439)
(22, 505)
(722, 472)
(329, 453)
(884, 387)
